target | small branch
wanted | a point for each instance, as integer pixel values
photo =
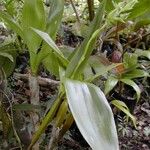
(134, 40)
(91, 9)
(74, 8)
(41, 81)
(35, 100)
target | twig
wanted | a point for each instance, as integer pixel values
(35, 100)
(91, 9)
(74, 8)
(41, 81)
(134, 40)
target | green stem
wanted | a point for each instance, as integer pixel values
(48, 118)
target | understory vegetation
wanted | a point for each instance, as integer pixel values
(74, 74)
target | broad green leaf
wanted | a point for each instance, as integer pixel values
(92, 115)
(142, 20)
(123, 107)
(97, 63)
(80, 57)
(54, 18)
(110, 84)
(141, 52)
(135, 73)
(133, 85)
(88, 72)
(52, 64)
(130, 60)
(109, 5)
(99, 68)
(52, 45)
(139, 9)
(33, 15)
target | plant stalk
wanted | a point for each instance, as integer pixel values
(91, 9)
(34, 99)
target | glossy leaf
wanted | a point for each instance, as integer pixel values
(133, 85)
(110, 84)
(123, 107)
(92, 115)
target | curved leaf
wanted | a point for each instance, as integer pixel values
(7, 56)
(110, 84)
(136, 73)
(123, 107)
(52, 45)
(134, 85)
(141, 52)
(92, 114)
(11, 23)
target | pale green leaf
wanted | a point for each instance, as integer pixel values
(123, 107)
(33, 15)
(100, 70)
(92, 115)
(51, 63)
(52, 45)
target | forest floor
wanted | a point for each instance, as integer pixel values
(130, 138)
